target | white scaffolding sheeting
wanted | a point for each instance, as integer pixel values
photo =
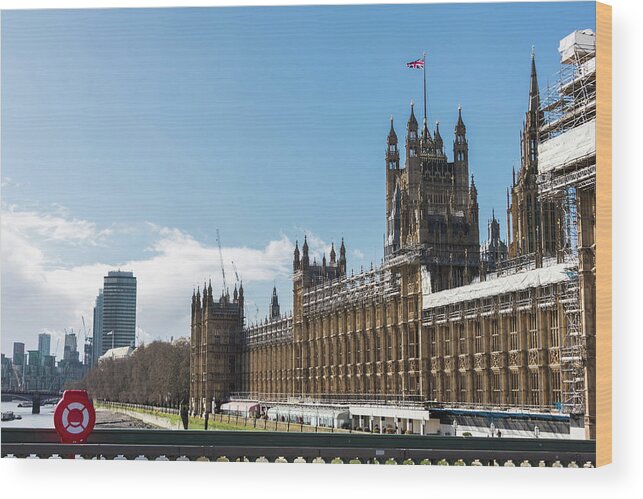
(241, 407)
(516, 282)
(311, 415)
(565, 149)
(576, 44)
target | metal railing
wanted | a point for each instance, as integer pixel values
(282, 447)
(145, 407)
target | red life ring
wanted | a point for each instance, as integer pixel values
(74, 417)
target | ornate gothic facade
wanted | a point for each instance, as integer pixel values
(534, 225)
(430, 324)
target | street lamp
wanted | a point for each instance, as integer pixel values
(455, 428)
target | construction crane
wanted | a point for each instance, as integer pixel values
(236, 274)
(221, 259)
(84, 329)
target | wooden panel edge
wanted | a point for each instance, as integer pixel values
(603, 234)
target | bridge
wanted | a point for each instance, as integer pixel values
(36, 397)
(281, 447)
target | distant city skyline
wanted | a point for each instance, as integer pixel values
(130, 136)
(41, 343)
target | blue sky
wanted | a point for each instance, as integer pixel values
(129, 136)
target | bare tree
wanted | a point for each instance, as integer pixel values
(156, 374)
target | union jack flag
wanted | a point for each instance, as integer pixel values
(419, 64)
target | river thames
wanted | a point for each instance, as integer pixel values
(43, 420)
(104, 418)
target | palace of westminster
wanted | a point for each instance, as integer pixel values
(444, 322)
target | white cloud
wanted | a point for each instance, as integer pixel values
(8, 182)
(29, 224)
(39, 293)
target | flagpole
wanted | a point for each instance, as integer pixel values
(424, 71)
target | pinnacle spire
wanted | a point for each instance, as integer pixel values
(304, 254)
(460, 122)
(436, 134)
(534, 95)
(392, 136)
(296, 261)
(413, 122)
(473, 192)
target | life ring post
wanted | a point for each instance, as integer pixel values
(74, 417)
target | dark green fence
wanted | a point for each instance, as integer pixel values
(302, 447)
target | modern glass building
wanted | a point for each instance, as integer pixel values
(119, 310)
(18, 353)
(44, 344)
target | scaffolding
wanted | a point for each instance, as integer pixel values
(268, 332)
(573, 350)
(571, 100)
(376, 284)
(569, 113)
(570, 206)
(567, 165)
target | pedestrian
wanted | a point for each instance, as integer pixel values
(184, 414)
(499, 434)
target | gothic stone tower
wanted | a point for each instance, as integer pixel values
(305, 276)
(430, 204)
(494, 250)
(215, 343)
(274, 305)
(533, 226)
